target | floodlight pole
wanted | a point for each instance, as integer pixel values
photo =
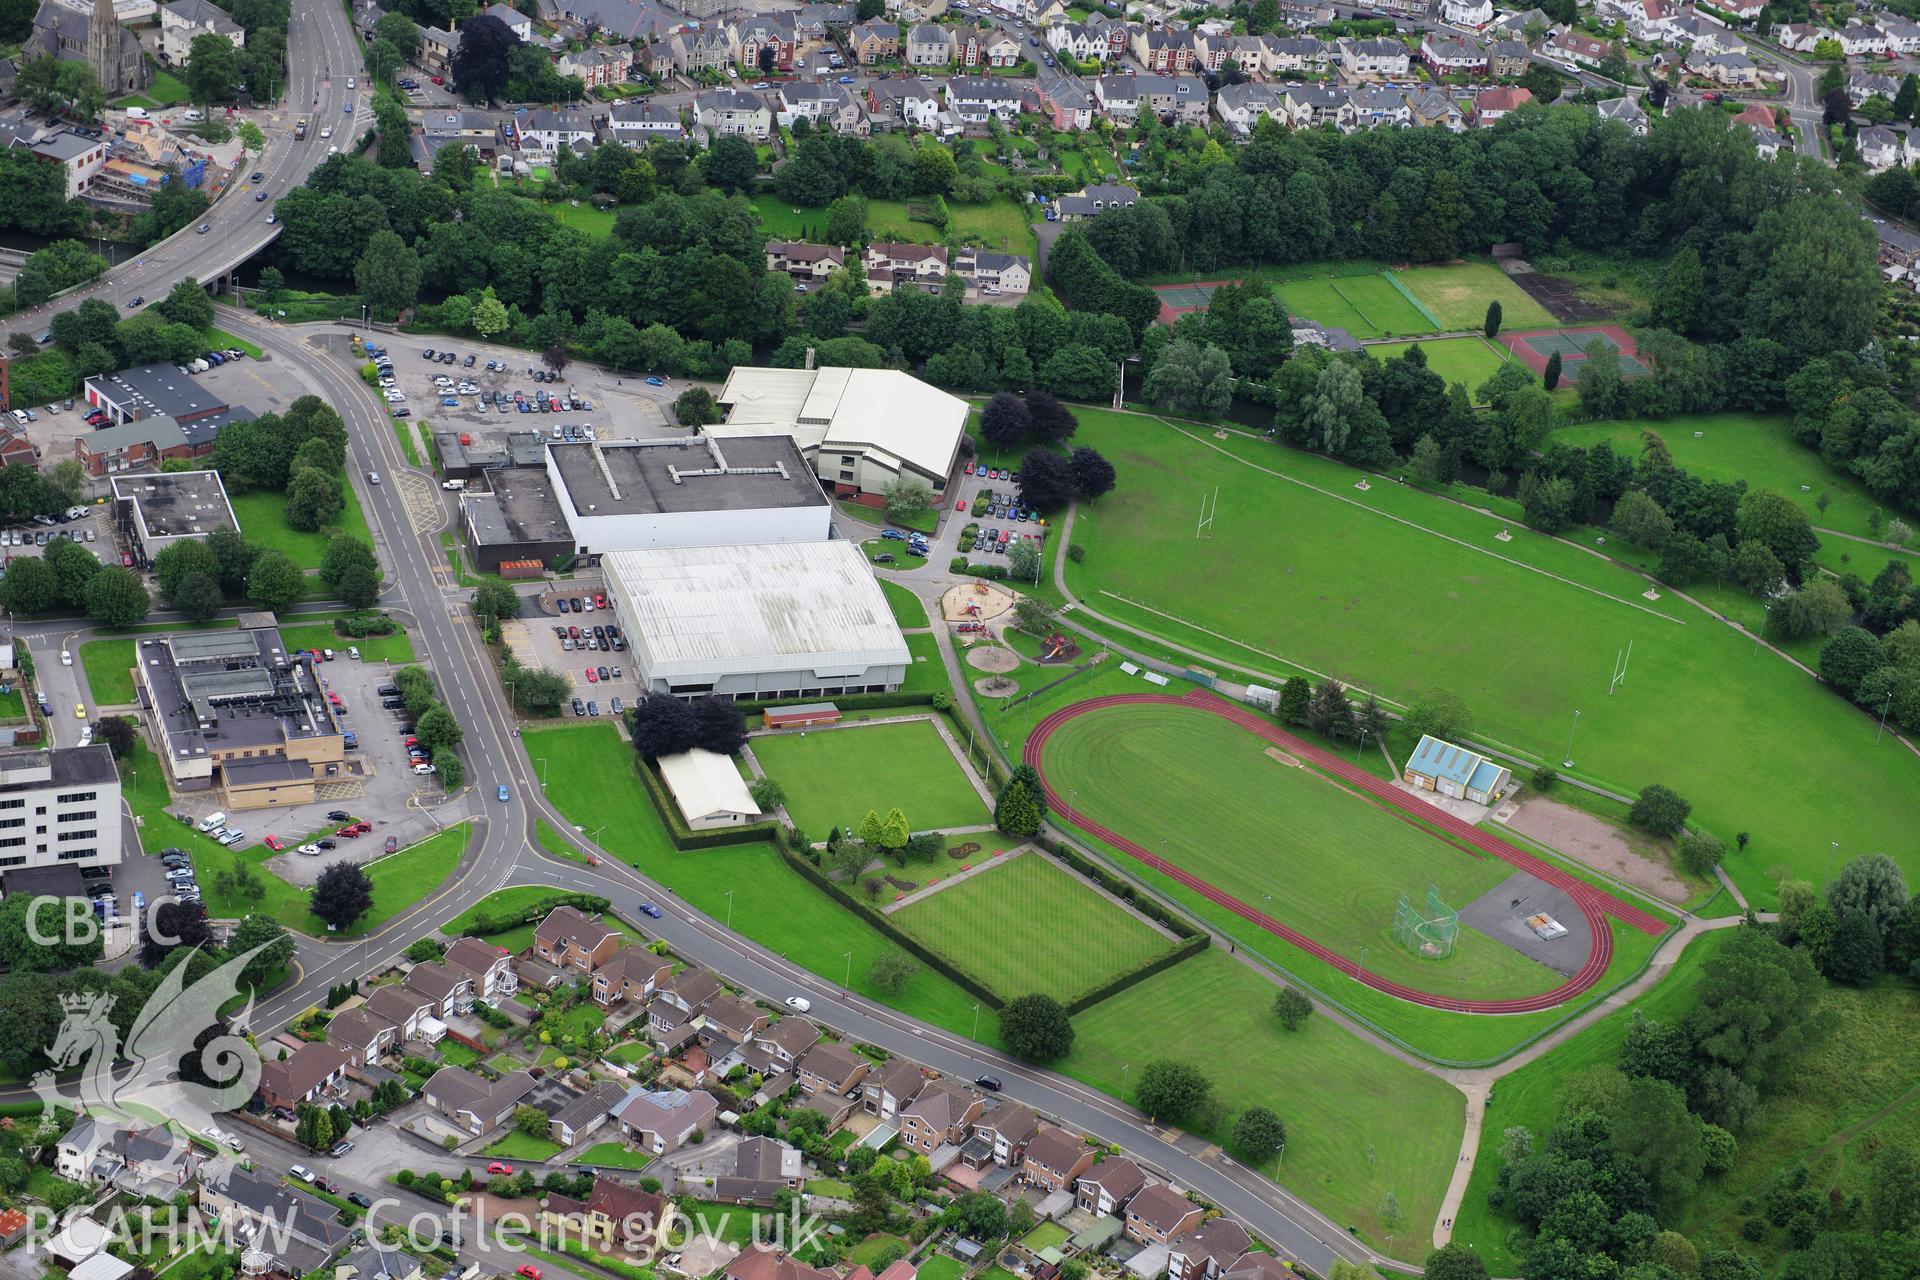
(1567, 763)
(729, 910)
(1883, 719)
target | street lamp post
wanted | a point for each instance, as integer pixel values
(729, 910)
(1883, 719)
(976, 1023)
(847, 985)
(1568, 762)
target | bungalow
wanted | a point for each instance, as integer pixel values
(1054, 1159)
(663, 1120)
(613, 1213)
(873, 42)
(890, 1087)
(1570, 48)
(1447, 57)
(1373, 58)
(1735, 69)
(1458, 772)
(1007, 1129)
(762, 1168)
(993, 274)
(571, 939)
(488, 967)
(1158, 1213)
(599, 64)
(724, 112)
(585, 1113)
(802, 261)
(1105, 1189)
(1207, 1250)
(975, 99)
(1496, 104)
(1068, 106)
(408, 1012)
(302, 1076)
(632, 973)
(940, 1115)
(928, 46)
(890, 266)
(829, 1068)
(1090, 202)
(1628, 112)
(363, 1037)
(473, 1102)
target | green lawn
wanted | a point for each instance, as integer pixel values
(614, 1156)
(263, 519)
(832, 777)
(1384, 1126)
(896, 554)
(109, 668)
(1467, 360)
(518, 898)
(168, 90)
(321, 635)
(555, 843)
(908, 612)
(404, 430)
(1401, 591)
(1027, 925)
(1365, 306)
(877, 1250)
(519, 1146)
(998, 224)
(1289, 841)
(1045, 1236)
(1758, 448)
(400, 881)
(924, 522)
(222, 339)
(927, 674)
(1459, 295)
(940, 1266)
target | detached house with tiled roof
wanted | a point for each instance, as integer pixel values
(1054, 1159)
(570, 939)
(1158, 1213)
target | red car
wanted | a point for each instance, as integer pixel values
(275, 843)
(499, 1167)
(393, 844)
(591, 677)
(528, 1270)
(600, 600)
(351, 831)
(361, 828)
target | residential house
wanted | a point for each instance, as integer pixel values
(1467, 13)
(989, 48)
(872, 42)
(1495, 104)
(1180, 98)
(663, 1120)
(764, 1263)
(1305, 106)
(1091, 201)
(1164, 52)
(1571, 48)
(733, 111)
(363, 1037)
(891, 266)
(1065, 101)
(97, 1150)
(1857, 40)
(802, 261)
(551, 130)
(1256, 1265)
(1249, 53)
(1376, 106)
(473, 1102)
(1801, 37)
(585, 1113)
(488, 968)
(1118, 97)
(1702, 35)
(1105, 1189)
(1042, 13)
(1118, 33)
(762, 1168)
(1767, 144)
(811, 99)
(890, 1087)
(1007, 1129)
(908, 103)
(702, 48)
(298, 1231)
(1374, 58)
(683, 997)
(1054, 1159)
(182, 21)
(302, 1076)
(1628, 112)
(940, 1115)
(1078, 41)
(437, 48)
(1301, 14)
(450, 989)
(1864, 85)
(1444, 56)
(1508, 59)
(730, 1018)
(613, 1213)
(599, 64)
(1518, 26)
(377, 1261)
(1241, 106)
(569, 938)
(1883, 148)
(408, 1012)
(1756, 115)
(1732, 69)
(1207, 1250)
(993, 274)
(1301, 54)
(781, 1044)
(771, 34)
(1157, 1214)
(976, 99)
(1747, 11)
(1431, 109)
(517, 22)
(829, 1067)
(1903, 36)
(928, 46)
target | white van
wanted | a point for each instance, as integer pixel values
(212, 820)
(192, 116)
(137, 113)
(453, 486)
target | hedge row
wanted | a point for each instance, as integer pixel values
(1113, 986)
(1120, 887)
(926, 955)
(683, 837)
(503, 921)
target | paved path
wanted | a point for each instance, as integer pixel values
(986, 863)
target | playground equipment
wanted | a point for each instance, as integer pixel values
(1054, 647)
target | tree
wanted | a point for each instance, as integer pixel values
(213, 70)
(1021, 805)
(1191, 378)
(719, 726)
(1005, 421)
(116, 732)
(1036, 1027)
(980, 1215)
(174, 925)
(187, 303)
(1024, 562)
(908, 501)
(1858, 955)
(1295, 694)
(314, 499)
(1659, 810)
(489, 313)
(1550, 376)
(1453, 1262)
(180, 561)
(1638, 519)
(1893, 1190)
(1093, 475)
(1292, 1007)
(695, 407)
(1258, 1134)
(1046, 480)
(662, 725)
(1845, 660)
(1328, 711)
(496, 600)
(1049, 421)
(1874, 885)
(1779, 524)
(1491, 325)
(556, 359)
(531, 1121)
(275, 582)
(342, 894)
(116, 598)
(846, 220)
(480, 64)
(388, 274)
(891, 970)
(1170, 1091)
(19, 921)
(1439, 713)
(1700, 852)
(731, 163)
(437, 728)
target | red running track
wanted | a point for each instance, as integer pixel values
(1594, 904)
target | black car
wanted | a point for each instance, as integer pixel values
(989, 1083)
(393, 704)
(326, 844)
(467, 363)
(338, 815)
(579, 707)
(429, 354)
(355, 1198)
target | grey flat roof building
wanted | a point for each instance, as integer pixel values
(157, 509)
(153, 389)
(651, 477)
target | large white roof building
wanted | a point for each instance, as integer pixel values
(792, 620)
(862, 429)
(709, 790)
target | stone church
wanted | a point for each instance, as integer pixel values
(73, 29)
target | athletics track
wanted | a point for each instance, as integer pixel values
(1595, 904)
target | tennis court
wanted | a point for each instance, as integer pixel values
(1365, 306)
(1534, 348)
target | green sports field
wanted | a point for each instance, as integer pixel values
(1286, 840)
(1459, 293)
(1365, 306)
(832, 777)
(1402, 591)
(1027, 925)
(1465, 360)
(1756, 447)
